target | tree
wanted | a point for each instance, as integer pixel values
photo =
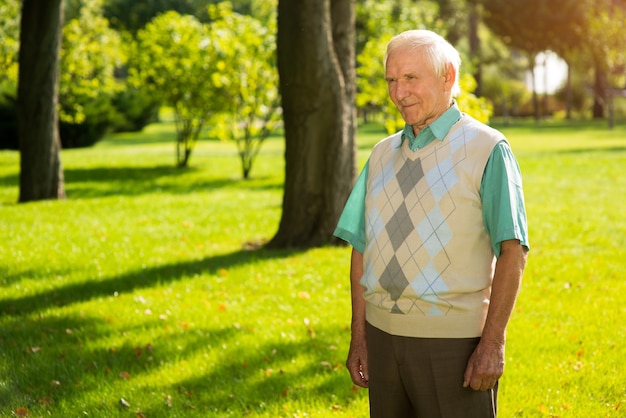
(605, 30)
(41, 171)
(316, 55)
(177, 61)
(249, 47)
(532, 26)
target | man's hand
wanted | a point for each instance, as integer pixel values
(357, 361)
(485, 366)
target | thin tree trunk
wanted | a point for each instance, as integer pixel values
(316, 67)
(474, 42)
(568, 92)
(599, 94)
(41, 171)
(533, 78)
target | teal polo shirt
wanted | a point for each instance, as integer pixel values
(504, 212)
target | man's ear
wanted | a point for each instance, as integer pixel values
(450, 77)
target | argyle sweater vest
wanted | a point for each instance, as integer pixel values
(428, 261)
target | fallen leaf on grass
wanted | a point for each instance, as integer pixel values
(45, 401)
(125, 375)
(21, 412)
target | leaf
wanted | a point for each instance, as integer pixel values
(21, 412)
(125, 375)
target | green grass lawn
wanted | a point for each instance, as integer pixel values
(142, 293)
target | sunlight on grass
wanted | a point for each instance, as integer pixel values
(142, 294)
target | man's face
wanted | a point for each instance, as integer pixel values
(420, 96)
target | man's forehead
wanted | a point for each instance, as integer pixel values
(406, 61)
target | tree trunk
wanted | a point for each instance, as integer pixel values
(316, 55)
(41, 172)
(536, 109)
(474, 42)
(568, 92)
(599, 85)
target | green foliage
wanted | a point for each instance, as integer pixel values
(503, 70)
(478, 107)
(383, 18)
(249, 47)
(144, 286)
(607, 30)
(90, 54)
(9, 44)
(223, 72)
(131, 15)
(178, 62)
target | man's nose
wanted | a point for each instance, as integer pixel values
(401, 90)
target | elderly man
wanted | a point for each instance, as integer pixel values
(438, 229)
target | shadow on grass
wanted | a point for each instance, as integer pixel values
(48, 360)
(90, 183)
(133, 181)
(81, 292)
(52, 360)
(56, 360)
(251, 381)
(591, 150)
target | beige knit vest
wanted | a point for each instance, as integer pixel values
(428, 263)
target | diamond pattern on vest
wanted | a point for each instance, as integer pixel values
(421, 212)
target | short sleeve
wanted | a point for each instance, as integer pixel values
(504, 211)
(351, 225)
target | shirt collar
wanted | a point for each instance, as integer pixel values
(438, 129)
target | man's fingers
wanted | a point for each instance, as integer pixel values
(467, 377)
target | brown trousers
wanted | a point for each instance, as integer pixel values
(423, 378)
